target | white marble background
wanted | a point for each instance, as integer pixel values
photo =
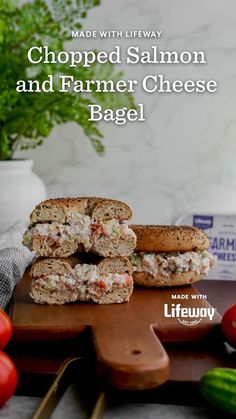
(183, 158)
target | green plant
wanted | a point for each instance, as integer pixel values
(27, 118)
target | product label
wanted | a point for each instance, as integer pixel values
(221, 230)
(203, 221)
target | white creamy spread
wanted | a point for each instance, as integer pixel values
(86, 280)
(115, 229)
(80, 228)
(167, 263)
(55, 282)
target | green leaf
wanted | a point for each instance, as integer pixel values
(26, 119)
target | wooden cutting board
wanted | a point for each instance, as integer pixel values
(127, 337)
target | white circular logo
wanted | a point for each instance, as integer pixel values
(189, 322)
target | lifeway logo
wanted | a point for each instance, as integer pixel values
(203, 221)
(188, 316)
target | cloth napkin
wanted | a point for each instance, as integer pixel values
(14, 259)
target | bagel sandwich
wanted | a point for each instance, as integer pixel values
(168, 256)
(57, 281)
(61, 227)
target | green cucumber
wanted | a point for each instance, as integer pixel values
(218, 386)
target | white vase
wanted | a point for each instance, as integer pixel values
(20, 190)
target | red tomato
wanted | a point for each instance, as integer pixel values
(8, 377)
(228, 326)
(5, 329)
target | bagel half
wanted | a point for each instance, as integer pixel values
(145, 279)
(156, 238)
(59, 209)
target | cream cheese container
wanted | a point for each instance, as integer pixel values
(221, 230)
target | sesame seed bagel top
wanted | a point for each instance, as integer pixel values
(158, 238)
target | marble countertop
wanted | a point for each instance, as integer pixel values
(182, 158)
(21, 407)
(70, 406)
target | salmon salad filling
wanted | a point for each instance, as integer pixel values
(199, 262)
(84, 283)
(80, 229)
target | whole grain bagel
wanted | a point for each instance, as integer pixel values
(158, 238)
(59, 209)
(64, 268)
(159, 281)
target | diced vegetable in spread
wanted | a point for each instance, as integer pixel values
(86, 280)
(79, 228)
(173, 263)
(28, 238)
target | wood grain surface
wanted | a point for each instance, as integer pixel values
(127, 337)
